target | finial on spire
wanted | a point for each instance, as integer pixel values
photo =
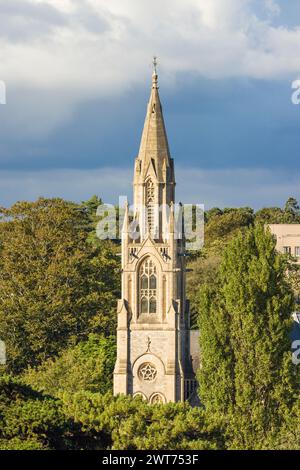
(155, 65)
(154, 75)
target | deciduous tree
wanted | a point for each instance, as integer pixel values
(55, 288)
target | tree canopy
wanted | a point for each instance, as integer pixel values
(55, 288)
(88, 366)
(58, 289)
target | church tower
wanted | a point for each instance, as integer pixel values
(153, 357)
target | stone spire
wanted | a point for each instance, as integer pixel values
(153, 348)
(154, 179)
(154, 146)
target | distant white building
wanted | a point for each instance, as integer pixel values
(288, 242)
(288, 239)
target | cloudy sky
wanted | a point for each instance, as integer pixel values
(78, 73)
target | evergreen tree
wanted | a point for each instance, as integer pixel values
(247, 379)
(30, 421)
(289, 436)
(126, 423)
(292, 211)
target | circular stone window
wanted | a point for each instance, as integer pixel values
(147, 372)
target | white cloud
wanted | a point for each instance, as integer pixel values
(107, 45)
(86, 48)
(239, 187)
(272, 7)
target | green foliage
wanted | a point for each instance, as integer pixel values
(270, 215)
(130, 423)
(221, 227)
(203, 271)
(89, 209)
(290, 214)
(223, 224)
(29, 420)
(247, 378)
(288, 437)
(215, 211)
(292, 210)
(55, 288)
(294, 279)
(86, 420)
(112, 229)
(17, 443)
(12, 389)
(58, 290)
(88, 366)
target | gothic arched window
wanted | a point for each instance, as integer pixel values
(150, 199)
(148, 287)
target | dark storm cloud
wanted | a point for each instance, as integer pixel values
(239, 123)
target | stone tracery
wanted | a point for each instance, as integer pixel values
(147, 372)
